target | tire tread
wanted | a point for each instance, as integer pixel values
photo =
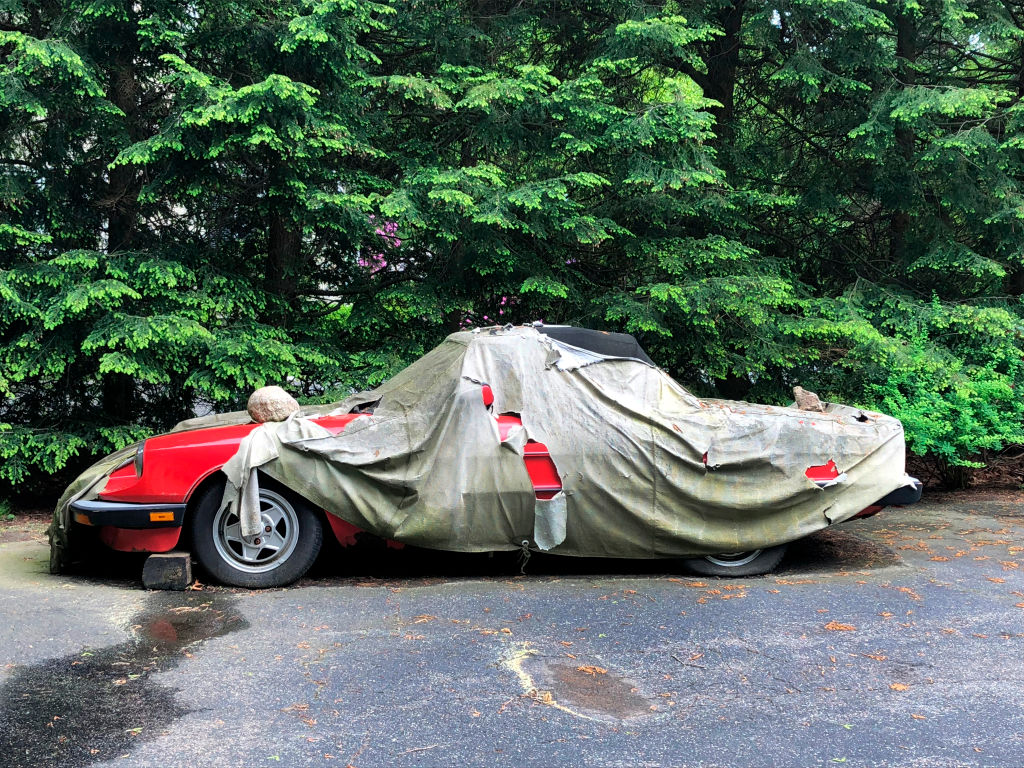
(766, 562)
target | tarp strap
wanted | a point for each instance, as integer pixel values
(524, 556)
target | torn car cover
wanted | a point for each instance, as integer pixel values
(647, 469)
(63, 544)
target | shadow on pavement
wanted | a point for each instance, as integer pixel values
(830, 551)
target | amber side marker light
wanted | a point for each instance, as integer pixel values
(161, 517)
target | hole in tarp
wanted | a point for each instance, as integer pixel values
(368, 407)
(823, 472)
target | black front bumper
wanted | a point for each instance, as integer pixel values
(127, 515)
(901, 497)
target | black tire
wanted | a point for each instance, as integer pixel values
(753, 563)
(283, 556)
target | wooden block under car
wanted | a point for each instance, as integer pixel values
(167, 570)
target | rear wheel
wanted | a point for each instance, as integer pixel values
(280, 554)
(753, 562)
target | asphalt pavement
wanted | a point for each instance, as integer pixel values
(892, 641)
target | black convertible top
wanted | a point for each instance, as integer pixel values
(605, 343)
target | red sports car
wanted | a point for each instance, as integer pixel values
(544, 438)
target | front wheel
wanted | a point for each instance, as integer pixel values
(754, 562)
(280, 554)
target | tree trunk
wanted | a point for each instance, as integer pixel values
(117, 398)
(733, 387)
(906, 54)
(118, 391)
(284, 253)
(721, 59)
(722, 62)
(123, 185)
(1015, 282)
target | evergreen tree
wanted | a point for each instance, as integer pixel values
(199, 199)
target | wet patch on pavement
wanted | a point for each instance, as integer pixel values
(583, 690)
(96, 704)
(891, 641)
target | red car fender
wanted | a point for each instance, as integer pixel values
(174, 466)
(140, 539)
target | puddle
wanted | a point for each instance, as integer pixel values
(97, 704)
(603, 693)
(583, 690)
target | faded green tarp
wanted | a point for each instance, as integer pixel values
(63, 546)
(648, 470)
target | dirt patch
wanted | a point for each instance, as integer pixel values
(26, 526)
(1001, 495)
(835, 550)
(587, 691)
(1002, 470)
(592, 689)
